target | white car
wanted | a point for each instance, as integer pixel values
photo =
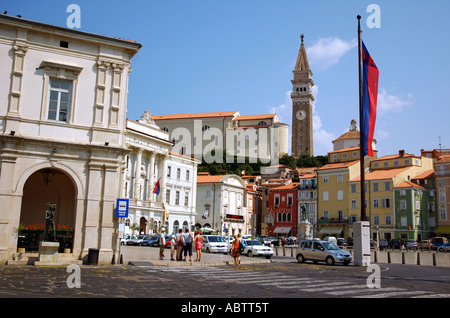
(214, 244)
(256, 248)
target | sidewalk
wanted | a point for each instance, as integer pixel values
(143, 255)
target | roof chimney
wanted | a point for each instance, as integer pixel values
(401, 153)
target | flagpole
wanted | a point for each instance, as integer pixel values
(361, 151)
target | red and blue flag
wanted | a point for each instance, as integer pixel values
(157, 187)
(369, 105)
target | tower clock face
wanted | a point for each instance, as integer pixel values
(300, 115)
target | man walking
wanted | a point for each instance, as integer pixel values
(162, 243)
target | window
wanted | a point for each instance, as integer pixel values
(353, 188)
(276, 200)
(388, 219)
(186, 199)
(168, 196)
(402, 204)
(187, 175)
(340, 214)
(340, 195)
(290, 200)
(403, 221)
(354, 204)
(325, 214)
(387, 203)
(59, 100)
(325, 179)
(177, 198)
(169, 168)
(442, 213)
(340, 178)
(325, 195)
(376, 220)
(375, 187)
(387, 186)
(262, 123)
(376, 203)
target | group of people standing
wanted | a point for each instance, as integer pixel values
(182, 243)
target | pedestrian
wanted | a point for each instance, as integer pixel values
(180, 243)
(235, 252)
(198, 245)
(188, 239)
(162, 243)
(173, 246)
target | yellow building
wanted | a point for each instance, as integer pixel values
(386, 173)
(333, 197)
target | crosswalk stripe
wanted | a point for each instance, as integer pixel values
(323, 287)
(353, 287)
(385, 295)
(291, 281)
(433, 296)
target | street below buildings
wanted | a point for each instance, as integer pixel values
(282, 277)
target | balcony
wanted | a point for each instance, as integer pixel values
(332, 221)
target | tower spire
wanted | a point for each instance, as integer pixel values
(302, 60)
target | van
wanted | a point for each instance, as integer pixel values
(214, 244)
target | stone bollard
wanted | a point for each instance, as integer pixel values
(434, 260)
(403, 257)
(389, 257)
(418, 258)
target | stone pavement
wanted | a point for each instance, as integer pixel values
(142, 255)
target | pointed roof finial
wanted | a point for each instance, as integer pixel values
(301, 37)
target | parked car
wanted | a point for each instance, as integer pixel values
(322, 251)
(256, 248)
(425, 245)
(411, 244)
(265, 240)
(382, 244)
(146, 240)
(214, 244)
(341, 242)
(444, 248)
(135, 240)
(395, 243)
(127, 237)
(154, 240)
(350, 242)
(436, 242)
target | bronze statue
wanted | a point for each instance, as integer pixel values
(50, 231)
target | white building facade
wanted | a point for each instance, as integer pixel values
(150, 161)
(62, 134)
(220, 204)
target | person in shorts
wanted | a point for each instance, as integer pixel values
(188, 239)
(162, 243)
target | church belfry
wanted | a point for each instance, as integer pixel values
(302, 99)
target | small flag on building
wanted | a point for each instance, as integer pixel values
(157, 187)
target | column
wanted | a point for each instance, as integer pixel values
(137, 175)
(151, 172)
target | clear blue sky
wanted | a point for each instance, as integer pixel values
(217, 55)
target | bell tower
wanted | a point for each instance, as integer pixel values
(302, 99)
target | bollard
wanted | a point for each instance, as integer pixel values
(434, 259)
(418, 258)
(389, 257)
(276, 250)
(375, 260)
(284, 251)
(292, 252)
(403, 257)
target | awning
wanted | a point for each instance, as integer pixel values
(282, 229)
(331, 230)
(442, 230)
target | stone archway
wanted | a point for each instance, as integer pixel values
(44, 186)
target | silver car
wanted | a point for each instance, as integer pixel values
(322, 251)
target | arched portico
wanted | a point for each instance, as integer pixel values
(54, 183)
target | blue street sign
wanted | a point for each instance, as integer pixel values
(122, 208)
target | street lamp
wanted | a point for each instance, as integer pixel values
(47, 174)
